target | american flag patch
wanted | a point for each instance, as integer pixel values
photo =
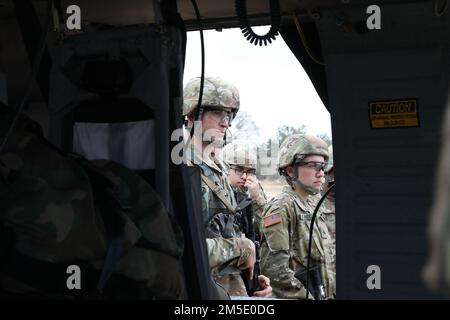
(272, 219)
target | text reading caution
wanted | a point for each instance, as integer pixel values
(393, 114)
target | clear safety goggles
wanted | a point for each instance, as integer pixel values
(220, 115)
(313, 165)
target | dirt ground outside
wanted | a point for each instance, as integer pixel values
(272, 186)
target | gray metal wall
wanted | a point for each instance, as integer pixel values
(3, 92)
(385, 177)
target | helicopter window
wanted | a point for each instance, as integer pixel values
(129, 143)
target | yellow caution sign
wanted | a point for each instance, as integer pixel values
(393, 114)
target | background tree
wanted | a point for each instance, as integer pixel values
(286, 131)
(244, 129)
(325, 137)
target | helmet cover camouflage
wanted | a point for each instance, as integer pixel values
(239, 155)
(297, 146)
(330, 165)
(217, 93)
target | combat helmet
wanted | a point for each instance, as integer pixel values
(239, 155)
(299, 146)
(330, 159)
(217, 93)
(295, 148)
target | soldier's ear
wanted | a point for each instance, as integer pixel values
(191, 116)
(190, 119)
(290, 171)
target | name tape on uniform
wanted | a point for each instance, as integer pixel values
(394, 114)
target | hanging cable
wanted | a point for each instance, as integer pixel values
(58, 18)
(311, 229)
(249, 34)
(303, 39)
(199, 111)
(34, 69)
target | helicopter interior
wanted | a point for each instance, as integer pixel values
(386, 89)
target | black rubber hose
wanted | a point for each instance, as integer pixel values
(311, 229)
(199, 111)
(247, 31)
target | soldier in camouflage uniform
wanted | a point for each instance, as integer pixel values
(241, 162)
(436, 273)
(57, 210)
(287, 219)
(229, 251)
(329, 211)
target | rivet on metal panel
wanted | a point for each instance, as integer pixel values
(343, 22)
(316, 15)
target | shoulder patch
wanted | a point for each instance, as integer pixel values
(272, 220)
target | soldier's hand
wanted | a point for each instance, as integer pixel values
(248, 257)
(252, 186)
(266, 289)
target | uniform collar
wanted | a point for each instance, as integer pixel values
(211, 161)
(304, 204)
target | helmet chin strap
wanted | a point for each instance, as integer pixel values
(198, 117)
(225, 140)
(309, 190)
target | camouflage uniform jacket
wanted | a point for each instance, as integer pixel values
(257, 206)
(329, 215)
(226, 248)
(284, 251)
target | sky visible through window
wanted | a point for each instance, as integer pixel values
(274, 88)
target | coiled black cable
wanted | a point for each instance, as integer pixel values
(249, 34)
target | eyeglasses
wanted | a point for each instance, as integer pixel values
(316, 165)
(240, 171)
(220, 115)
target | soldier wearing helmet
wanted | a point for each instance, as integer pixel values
(329, 211)
(220, 104)
(242, 161)
(287, 218)
(230, 252)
